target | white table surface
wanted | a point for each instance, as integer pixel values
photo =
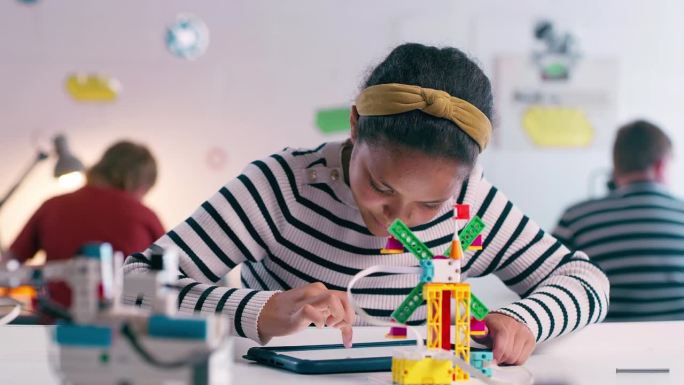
(587, 357)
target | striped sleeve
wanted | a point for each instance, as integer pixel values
(561, 290)
(218, 236)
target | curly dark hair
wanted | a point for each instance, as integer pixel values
(446, 69)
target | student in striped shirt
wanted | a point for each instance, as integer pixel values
(302, 223)
(636, 232)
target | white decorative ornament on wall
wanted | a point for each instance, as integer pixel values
(187, 37)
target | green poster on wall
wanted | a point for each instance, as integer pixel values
(333, 120)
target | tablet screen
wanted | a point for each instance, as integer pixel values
(343, 353)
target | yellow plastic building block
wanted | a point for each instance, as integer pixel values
(460, 293)
(388, 251)
(428, 370)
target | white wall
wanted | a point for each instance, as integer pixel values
(272, 63)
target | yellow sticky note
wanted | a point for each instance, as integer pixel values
(550, 126)
(92, 88)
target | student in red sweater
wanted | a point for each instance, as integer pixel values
(107, 209)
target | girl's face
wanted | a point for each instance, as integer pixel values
(395, 182)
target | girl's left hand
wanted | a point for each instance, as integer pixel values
(510, 341)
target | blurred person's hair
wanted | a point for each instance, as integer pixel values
(638, 146)
(125, 166)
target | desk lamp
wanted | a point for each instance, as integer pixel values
(68, 170)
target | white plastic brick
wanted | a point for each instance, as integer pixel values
(446, 271)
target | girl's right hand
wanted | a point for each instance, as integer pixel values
(290, 311)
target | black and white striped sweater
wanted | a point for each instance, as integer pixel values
(636, 235)
(290, 219)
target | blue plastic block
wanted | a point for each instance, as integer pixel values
(181, 328)
(487, 372)
(476, 363)
(428, 270)
(83, 335)
(97, 251)
(481, 356)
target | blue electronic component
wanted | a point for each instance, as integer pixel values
(83, 335)
(481, 356)
(428, 270)
(97, 250)
(160, 325)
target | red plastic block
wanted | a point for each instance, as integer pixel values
(477, 243)
(393, 246)
(396, 332)
(446, 320)
(477, 328)
(462, 211)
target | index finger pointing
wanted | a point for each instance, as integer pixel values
(347, 336)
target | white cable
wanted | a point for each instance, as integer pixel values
(372, 320)
(13, 314)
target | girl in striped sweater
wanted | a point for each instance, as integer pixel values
(302, 223)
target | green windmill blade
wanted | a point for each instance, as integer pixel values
(404, 235)
(469, 233)
(411, 242)
(409, 305)
(477, 308)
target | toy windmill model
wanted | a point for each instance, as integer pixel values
(102, 341)
(439, 283)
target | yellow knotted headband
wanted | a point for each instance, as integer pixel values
(394, 98)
